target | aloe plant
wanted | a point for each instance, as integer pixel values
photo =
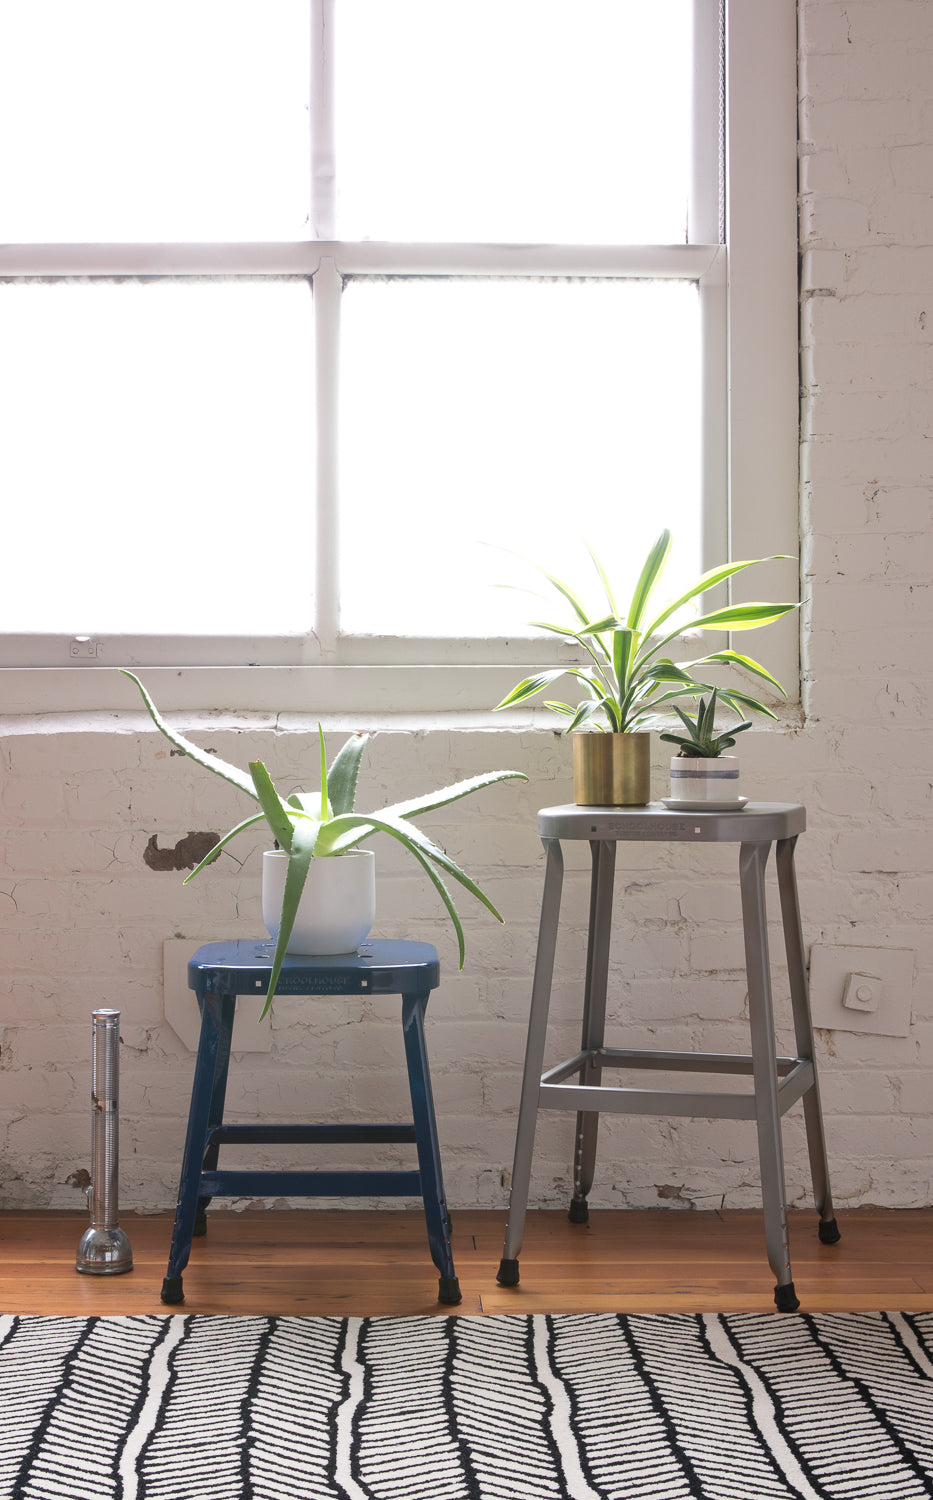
(628, 677)
(701, 738)
(323, 824)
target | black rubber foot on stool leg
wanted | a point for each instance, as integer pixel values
(448, 1290)
(785, 1298)
(172, 1290)
(579, 1211)
(507, 1274)
(829, 1232)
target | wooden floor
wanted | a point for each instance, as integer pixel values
(370, 1264)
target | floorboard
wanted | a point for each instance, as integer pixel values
(369, 1264)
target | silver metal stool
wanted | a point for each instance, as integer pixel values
(778, 1082)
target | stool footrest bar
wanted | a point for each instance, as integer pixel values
(361, 1184)
(322, 1135)
(702, 1106)
(661, 1062)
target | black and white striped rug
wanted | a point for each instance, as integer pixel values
(744, 1407)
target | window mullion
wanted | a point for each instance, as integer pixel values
(327, 286)
(704, 216)
(323, 151)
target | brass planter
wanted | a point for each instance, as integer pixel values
(611, 770)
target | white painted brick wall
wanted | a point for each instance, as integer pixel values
(83, 919)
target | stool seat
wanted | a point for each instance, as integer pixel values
(758, 821)
(380, 967)
(577, 1083)
(217, 973)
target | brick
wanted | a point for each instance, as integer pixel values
(862, 122)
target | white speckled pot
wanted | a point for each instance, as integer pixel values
(696, 778)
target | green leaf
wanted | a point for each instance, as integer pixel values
(734, 658)
(599, 627)
(645, 715)
(741, 701)
(604, 580)
(449, 794)
(688, 724)
(595, 648)
(323, 758)
(669, 671)
(409, 835)
(274, 809)
(732, 617)
(623, 643)
(650, 573)
(447, 899)
(707, 716)
(708, 581)
(742, 616)
(249, 823)
(566, 593)
(585, 712)
(344, 772)
(209, 762)
(529, 686)
(560, 708)
(301, 853)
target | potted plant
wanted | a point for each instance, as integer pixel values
(629, 677)
(316, 855)
(700, 772)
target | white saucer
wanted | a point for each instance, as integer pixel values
(679, 804)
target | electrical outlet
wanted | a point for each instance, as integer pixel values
(181, 1008)
(862, 992)
(862, 989)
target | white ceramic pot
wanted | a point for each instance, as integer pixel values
(337, 906)
(700, 778)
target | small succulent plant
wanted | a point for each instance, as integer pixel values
(701, 739)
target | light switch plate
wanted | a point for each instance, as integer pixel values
(830, 968)
(181, 1008)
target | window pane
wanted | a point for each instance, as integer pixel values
(530, 415)
(157, 452)
(513, 120)
(185, 120)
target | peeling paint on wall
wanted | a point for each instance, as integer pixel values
(186, 854)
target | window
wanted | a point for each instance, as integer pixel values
(314, 314)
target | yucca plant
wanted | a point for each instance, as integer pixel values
(629, 677)
(323, 824)
(701, 738)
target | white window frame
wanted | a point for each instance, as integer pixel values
(748, 292)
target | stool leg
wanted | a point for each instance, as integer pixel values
(594, 1020)
(429, 1153)
(534, 1061)
(752, 861)
(803, 1032)
(215, 1117)
(211, 1064)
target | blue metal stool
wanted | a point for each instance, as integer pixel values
(219, 972)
